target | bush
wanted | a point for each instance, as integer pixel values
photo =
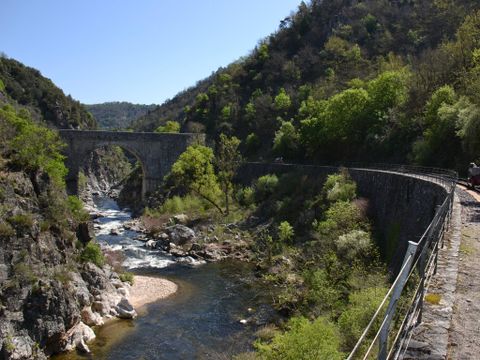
(93, 253)
(169, 127)
(6, 229)
(127, 277)
(304, 340)
(21, 222)
(341, 218)
(354, 245)
(362, 306)
(185, 204)
(252, 143)
(265, 186)
(339, 187)
(321, 293)
(246, 196)
(285, 232)
(77, 209)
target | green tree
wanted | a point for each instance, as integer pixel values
(282, 101)
(287, 140)
(285, 232)
(169, 127)
(195, 173)
(35, 147)
(228, 160)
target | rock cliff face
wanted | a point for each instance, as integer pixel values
(104, 170)
(48, 298)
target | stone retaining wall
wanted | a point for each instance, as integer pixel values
(401, 206)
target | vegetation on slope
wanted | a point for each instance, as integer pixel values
(117, 115)
(348, 80)
(312, 241)
(44, 100)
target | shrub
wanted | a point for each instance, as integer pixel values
(92, 253)
(321, 292)
(285, 232)
(169, 127)
(265, 186)
(252, 143)
(267, 332)
(304, 340)
(339, 187)
(21, 222)
(24, 272)
(6, 229)
(353, 245)
(127, 277)
(77, 209)
(362, 306)
(341, 218)
(246, 196)
(185, 204)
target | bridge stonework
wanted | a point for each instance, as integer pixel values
(156, 152)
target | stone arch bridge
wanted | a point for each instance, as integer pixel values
(156, 152)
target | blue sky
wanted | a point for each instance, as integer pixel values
(142, 51)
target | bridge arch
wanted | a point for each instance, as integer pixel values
(155, 151)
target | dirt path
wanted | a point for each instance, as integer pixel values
(464, 333)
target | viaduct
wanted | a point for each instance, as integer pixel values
(156, 152)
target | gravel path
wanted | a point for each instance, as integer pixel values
(464, 337)
(148, 289)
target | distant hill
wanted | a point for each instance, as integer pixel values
(344, 80)
(42, 97)
(118, 115)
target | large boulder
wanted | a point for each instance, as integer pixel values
(125, 310)
(78, 337)
(85, 232)
(18, 348)
(91, 318)
(180, 234)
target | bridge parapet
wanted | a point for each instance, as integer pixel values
(155, 151)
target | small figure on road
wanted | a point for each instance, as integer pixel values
(473, 175)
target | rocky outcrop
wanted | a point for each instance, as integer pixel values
(48, 300)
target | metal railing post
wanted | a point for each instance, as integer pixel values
(385, 330)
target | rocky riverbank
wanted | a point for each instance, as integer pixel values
(193, 243)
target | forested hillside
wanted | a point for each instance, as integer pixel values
(118, 115)
(42, 97)
(359, 80)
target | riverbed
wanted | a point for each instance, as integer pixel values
(213, 315)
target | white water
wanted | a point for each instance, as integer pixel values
(111, 219)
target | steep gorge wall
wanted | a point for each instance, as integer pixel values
(400, 205)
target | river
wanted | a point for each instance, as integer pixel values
(200, 321)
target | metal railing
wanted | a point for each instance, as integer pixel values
(419, 265)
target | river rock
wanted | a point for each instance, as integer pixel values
(181, 219)
(125, 309)
(90, 318)
(19, 348)
(151, 244)
(187, 260)
(180, 234)
(78, 337)
(177, 251)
